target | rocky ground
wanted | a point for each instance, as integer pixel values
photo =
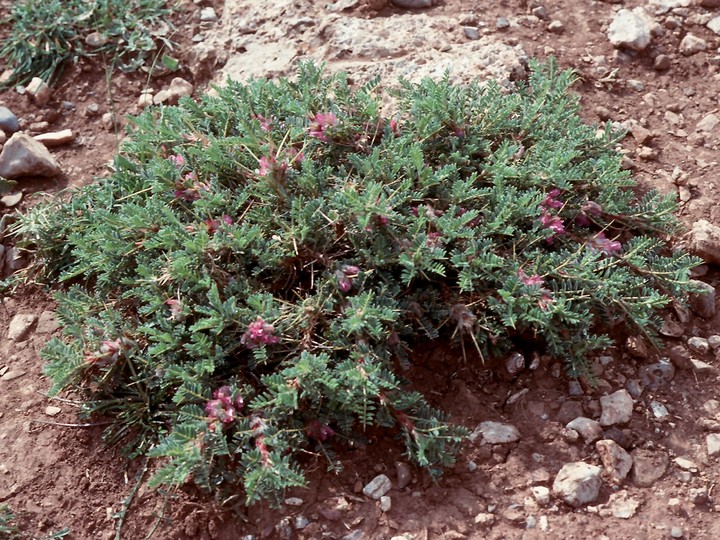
(634, 457)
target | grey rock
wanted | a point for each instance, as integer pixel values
(12, 375)
(662, 62)
(377, 487)
(615, 459)
(24, 156)
(385, 503)
(713, 444)
(622, 506)
(294, 501)
(670, 328)
(502, 23)
(708, 123)
(96, 39)
(677, 532)
(578, 483)
(648, 466)
(541, 494)
(630, 29)
(358, 534)
(484, 519)
(556, 27)
(20, 326)
(655, 375)
(616, 408)
(471, 32)
(659, 410)
(702, 368)
(698, 345)
(714, 24)
(589, 429)
(575, 388)
(8, 121)
(515, 363)
(692, 44)
(404, 474)
(301, 522)
(207, 14)
(636, 347)
(703, 303)
(414, 4)
(714, 341)
(495, 433)
(680, 357)
(569, 410)
(686, 464)
(55, 138)
(634, 387)
(178, 88)
(39, 91)
(12, 199)
(705, 241)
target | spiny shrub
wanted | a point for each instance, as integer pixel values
(248, 283)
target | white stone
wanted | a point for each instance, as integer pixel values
(589, 429)
(178, 88)
(713, 444)
(541, 495)
(714, 24)
(377, 487)
(698, 345)
(692, 44)
(708, 123)
(385, 503)
(39, 90)
(294, 501)
(51, 410)
(24, 156)
(623, 506)
(705, 241)
(630, 29)
(495, 433)
(686, 464)
(55, 138)
(578, 483)
(207, 14)
(20, 326)
(616, 408)
(616, 460)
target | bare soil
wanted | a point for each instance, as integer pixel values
(55, 471)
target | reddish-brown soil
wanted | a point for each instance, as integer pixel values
(55, 472)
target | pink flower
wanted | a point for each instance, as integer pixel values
(434, 239)
(217, 409)
(177, 160)
(590, 208)
(264, 122)
(320, 123)
(259, 333)
(530, 281)
(554, 223)
(605, 245)
(319, 431)
(176, 307)
(222, 407)
(109, 351)
(214, 224)
(545, 299)
(551, 200)
(394, 127)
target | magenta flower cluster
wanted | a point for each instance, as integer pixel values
(345, 277)
(259, 333)
(604, 245)
(223, 407)
(320, 123)
(549, 220)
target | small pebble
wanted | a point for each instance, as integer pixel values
(676, 532)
